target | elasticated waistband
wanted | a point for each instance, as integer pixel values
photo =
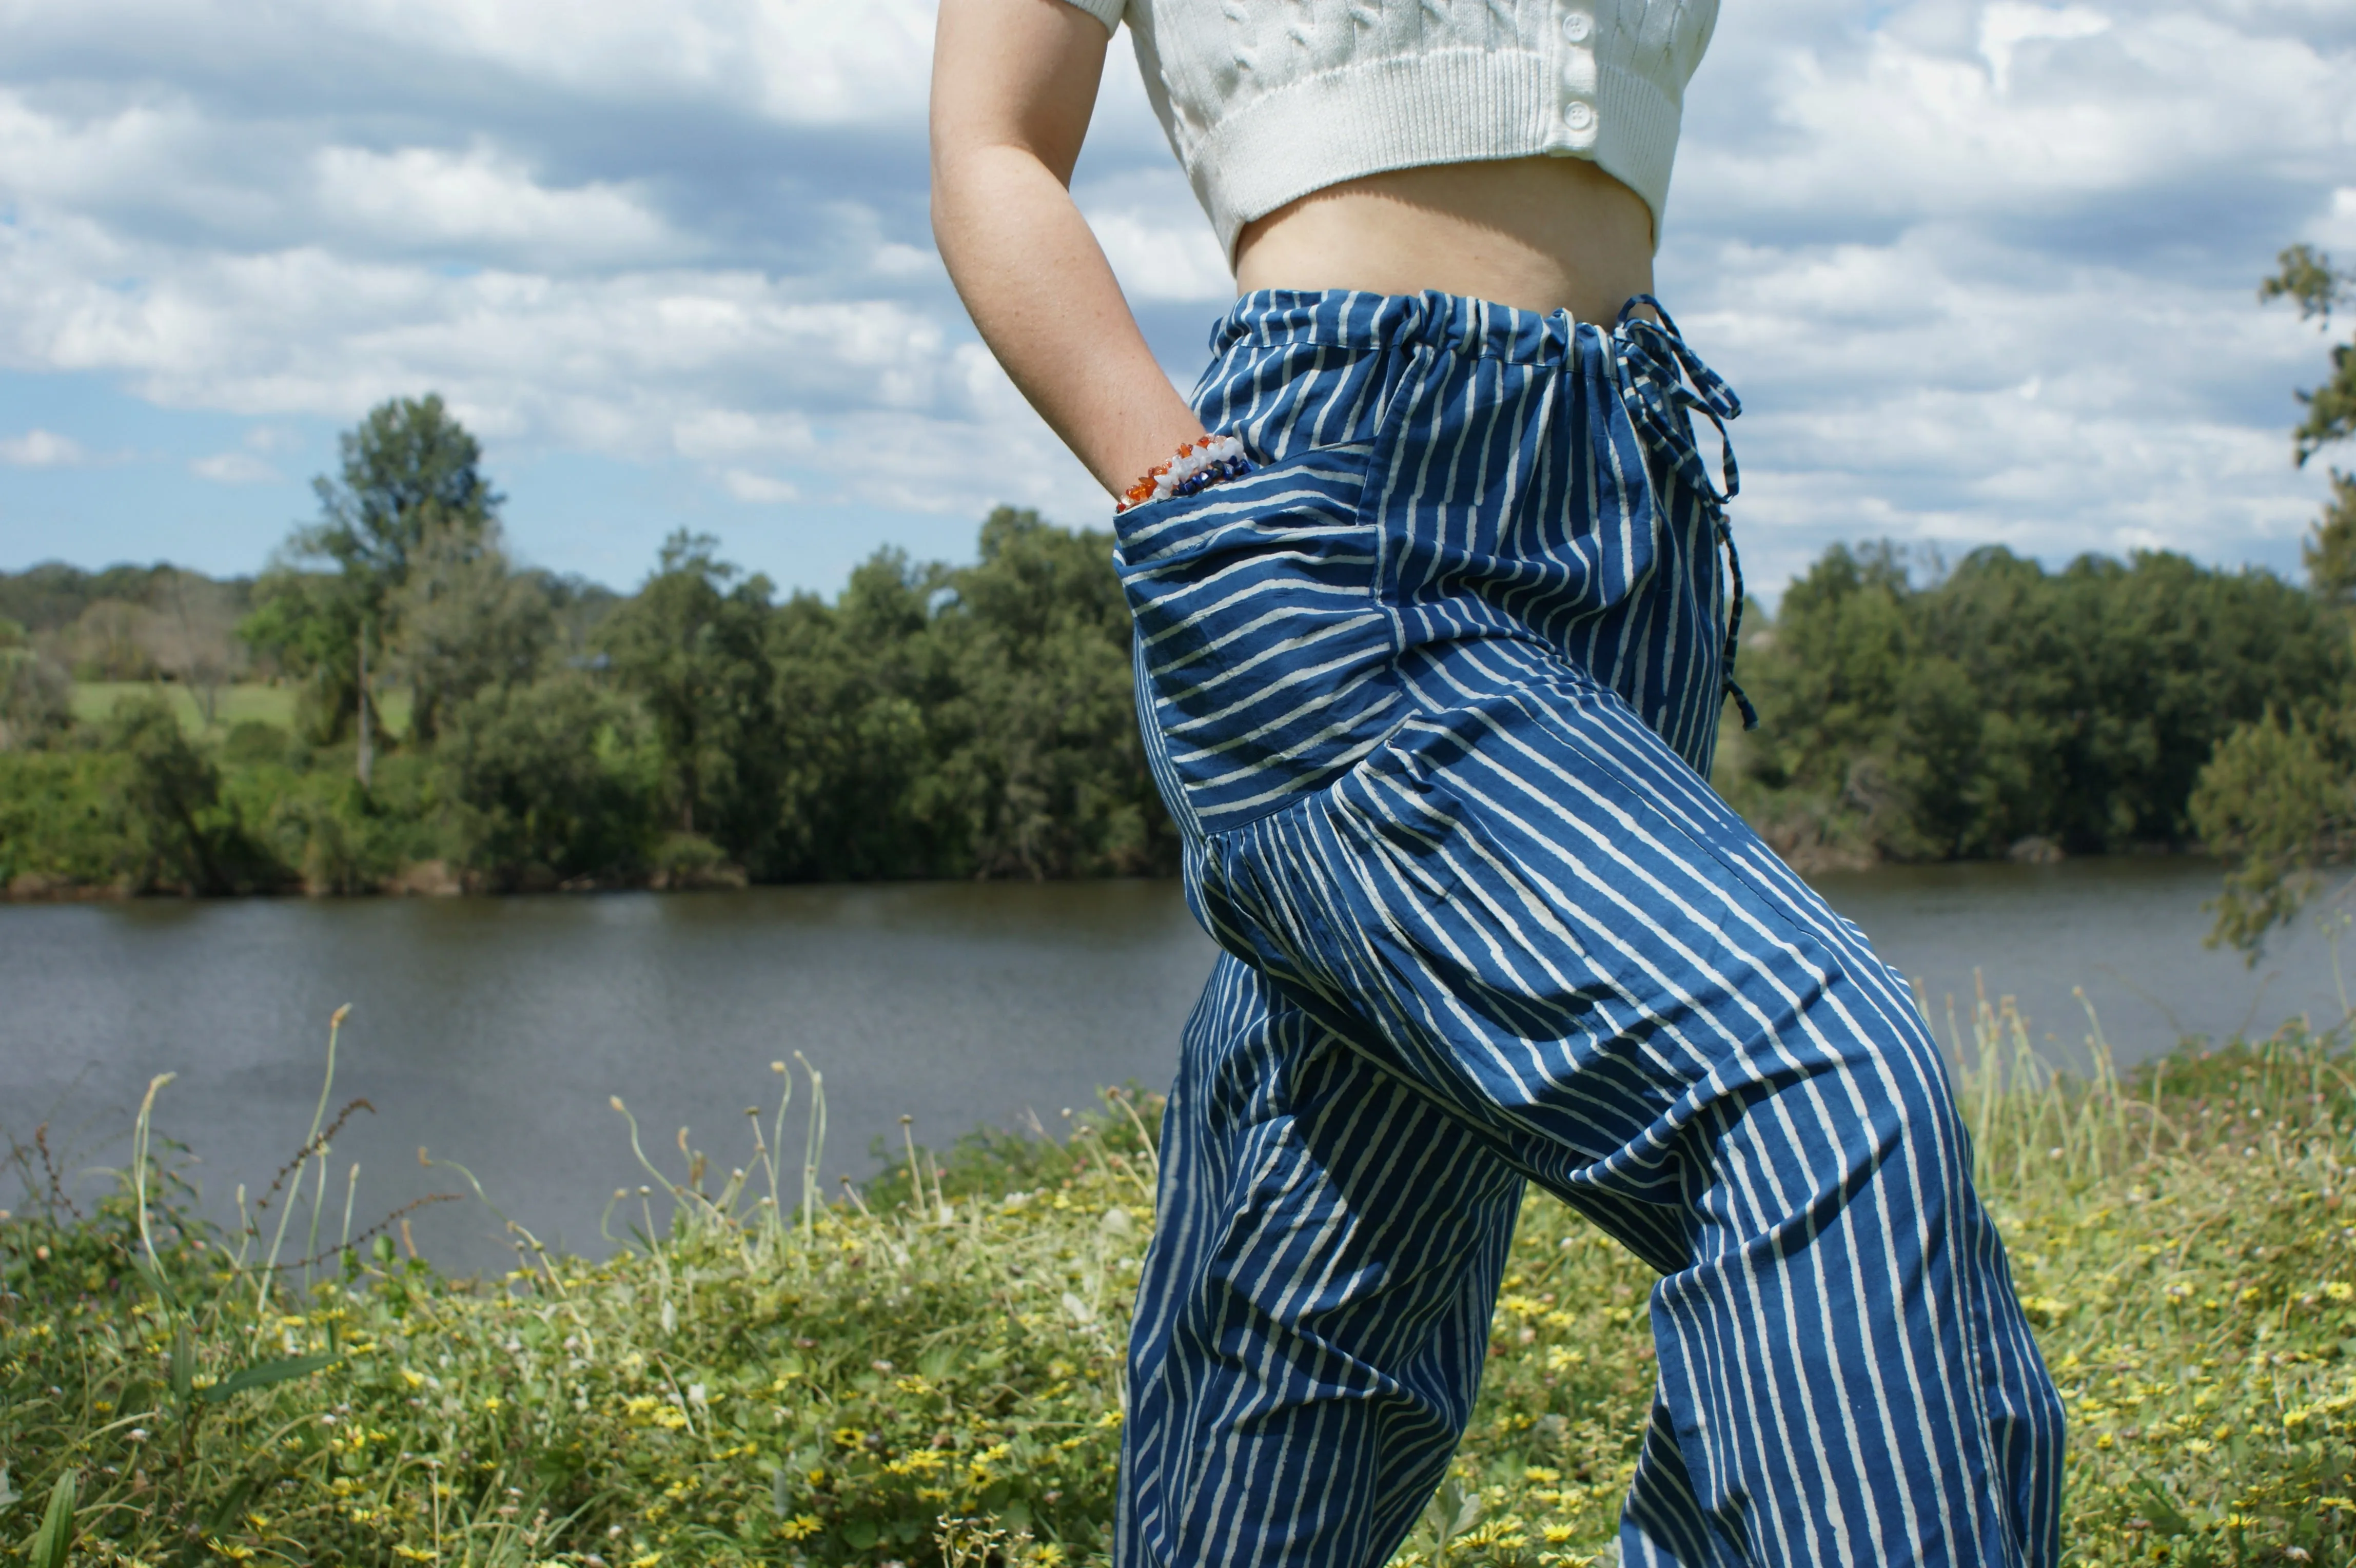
(1350, 319)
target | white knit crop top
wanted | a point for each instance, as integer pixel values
(1265, 100)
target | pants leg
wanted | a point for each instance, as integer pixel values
(1432, 697)
(1528, 907)
(1316, 1308)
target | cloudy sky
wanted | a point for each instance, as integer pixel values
(1983, 272)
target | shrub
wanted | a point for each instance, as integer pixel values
(36, 699)
(550, 779)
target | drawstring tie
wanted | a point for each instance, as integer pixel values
(1654, 385)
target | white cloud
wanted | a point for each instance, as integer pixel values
(1160, 255)
(419, 198)
(1982, 269)
(42, 449)
(2006, 25)
(2338, 227)
(235, 468)
(759, 489)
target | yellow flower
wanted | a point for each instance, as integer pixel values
(1541, 1473)
(1556, 1534)
(1049, 1556)
(2198, 1445)
(491, 1404)
(847, 1438)
(1108, 1420)
(648, 1561)
(799, 1526)
(412, 1554)
(231, 1550)
(414, 1379)
(2339, 1290)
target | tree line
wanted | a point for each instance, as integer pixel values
(1912, 712)
(460, 722)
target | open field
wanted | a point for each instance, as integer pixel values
(94, 699)
(930, 1370)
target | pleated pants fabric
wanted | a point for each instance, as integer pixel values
(1432, 695)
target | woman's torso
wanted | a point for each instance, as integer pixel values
(1538, 234)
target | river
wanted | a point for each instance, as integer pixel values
(494, 1031)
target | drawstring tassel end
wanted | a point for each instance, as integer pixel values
(1742, 703)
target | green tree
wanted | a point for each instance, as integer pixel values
(2000, 707)
(968, 721)
(2329, 551)
(35, 696)
(858, 686)
(407, 467)
(411, 487)
(465, 619)
(693, 647)
(548, 782)
(2279, 797)
(167, 794)
(2305, 277)
(1042, 737)
(309, 624)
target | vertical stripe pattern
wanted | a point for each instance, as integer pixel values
(1432, 695)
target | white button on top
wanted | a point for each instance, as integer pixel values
(1577, 27)
(1578, 116)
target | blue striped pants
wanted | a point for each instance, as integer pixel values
(1432, 696)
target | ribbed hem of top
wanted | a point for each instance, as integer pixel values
(1443, 107)
(1108, 12)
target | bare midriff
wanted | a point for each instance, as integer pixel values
(1541, 233)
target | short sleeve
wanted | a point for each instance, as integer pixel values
(1106, 11)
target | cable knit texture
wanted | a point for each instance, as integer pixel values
(1265, 100)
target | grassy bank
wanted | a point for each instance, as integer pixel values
(930, 1367)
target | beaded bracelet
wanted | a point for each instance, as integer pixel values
(1199, 465)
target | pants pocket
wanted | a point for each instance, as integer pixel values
(1264, 658)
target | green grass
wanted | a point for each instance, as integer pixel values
(930, 1370)
(94, 699)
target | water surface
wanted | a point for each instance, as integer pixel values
(494, 1031)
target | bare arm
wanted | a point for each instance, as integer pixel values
(1013, 83)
